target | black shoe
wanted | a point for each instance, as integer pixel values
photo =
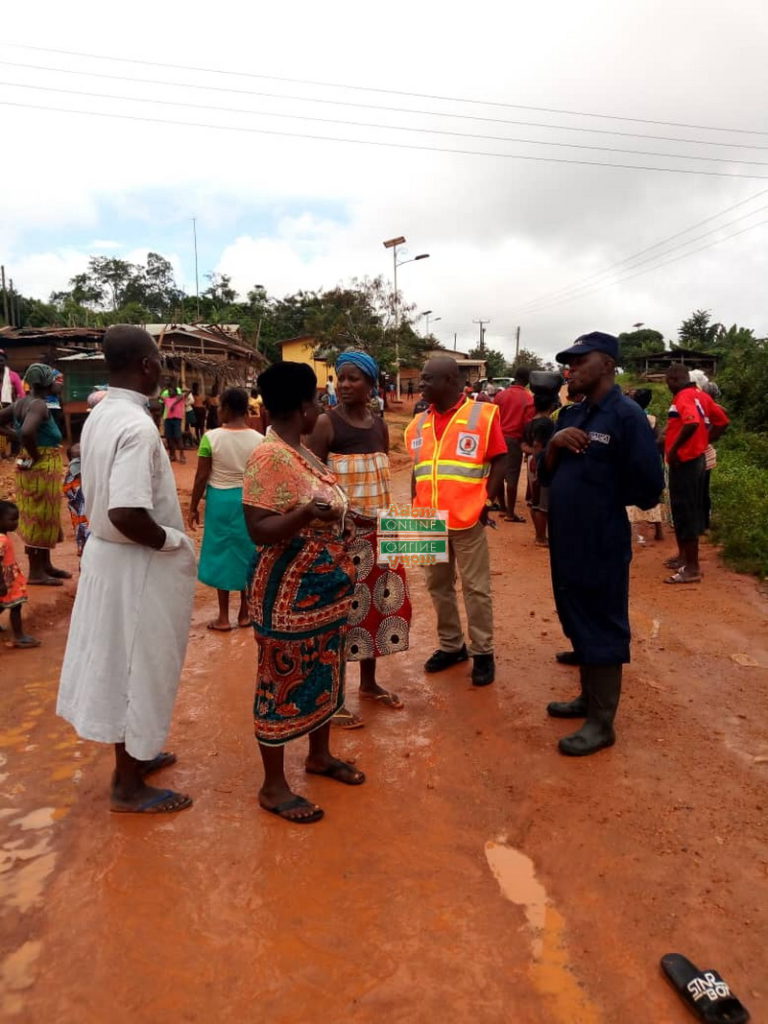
(576, 708)
(567, 658)
(441, 660)
(483, 669)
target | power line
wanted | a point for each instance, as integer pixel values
(386, 127)
(380, 142)
(378, 106)
(649, 270)
(546, 297)
(391, 92)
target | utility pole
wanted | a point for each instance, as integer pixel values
(5, 296)
(482, 332)
(12, 321)
(197, 278)
(454, 341)
(517, 343)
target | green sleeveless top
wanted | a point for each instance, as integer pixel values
(48, 433)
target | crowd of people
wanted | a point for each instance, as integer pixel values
(290, 526)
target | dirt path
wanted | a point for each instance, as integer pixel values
(477, 876)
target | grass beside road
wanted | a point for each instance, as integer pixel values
(740, 501)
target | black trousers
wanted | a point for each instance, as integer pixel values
(512, 472)
(596, 619)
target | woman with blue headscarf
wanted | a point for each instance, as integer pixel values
(355, 444)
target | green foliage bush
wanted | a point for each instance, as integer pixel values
(740, 501)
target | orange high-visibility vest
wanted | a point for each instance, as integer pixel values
(450, 474)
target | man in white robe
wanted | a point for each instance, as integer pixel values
(130, 622)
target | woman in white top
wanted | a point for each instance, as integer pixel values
(227, 551)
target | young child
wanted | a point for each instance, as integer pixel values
(536, 436)
(73, 491)
(13, 582)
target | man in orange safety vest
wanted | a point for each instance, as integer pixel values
(458, 453)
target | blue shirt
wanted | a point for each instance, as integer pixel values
(588, 526)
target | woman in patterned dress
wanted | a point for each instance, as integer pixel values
(39, 473)
(300, 591)
(355, 444)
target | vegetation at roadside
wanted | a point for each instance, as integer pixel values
(740, 480)
(110, 290)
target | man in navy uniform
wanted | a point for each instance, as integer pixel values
(602, 458)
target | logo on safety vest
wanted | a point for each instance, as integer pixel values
(417, 442)
(467, 444)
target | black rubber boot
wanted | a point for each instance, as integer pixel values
(567, 658)
(576, 708)
(602, 686)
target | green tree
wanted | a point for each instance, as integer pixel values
(113, 277)
(526, 357)
(496, 364)
(640, 342)
(698, 331)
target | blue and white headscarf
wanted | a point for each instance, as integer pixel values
(365, 363)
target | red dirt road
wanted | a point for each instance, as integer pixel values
(477, 876)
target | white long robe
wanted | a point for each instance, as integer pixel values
(130, 622)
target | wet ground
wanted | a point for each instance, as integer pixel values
(477, 876)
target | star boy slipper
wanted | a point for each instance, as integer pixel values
(703, 992)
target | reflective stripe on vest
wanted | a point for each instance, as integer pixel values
(443, 479)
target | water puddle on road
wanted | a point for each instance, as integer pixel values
(550, 970)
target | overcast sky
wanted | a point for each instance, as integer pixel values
(506, 236)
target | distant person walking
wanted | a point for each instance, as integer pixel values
(515, 404)
(130, 623)
(11, 388)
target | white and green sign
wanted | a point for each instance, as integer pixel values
(412, 536)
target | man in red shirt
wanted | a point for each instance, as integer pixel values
(686, 439)
(516, 407)
(718, 421)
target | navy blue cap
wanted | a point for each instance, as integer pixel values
(594, 342)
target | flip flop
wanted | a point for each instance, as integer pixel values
(514, 519)
(24, 642)
(703, 992)
(340, 771)
(218, 629)
(157, 804)
(244, 625)
(291, 805)
(673, 563)
(345, 719)
(163, 760)
(387, 699)
(49, 581)
(59, 574)
(681, 577)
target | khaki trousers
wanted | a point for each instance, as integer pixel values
(469, 555)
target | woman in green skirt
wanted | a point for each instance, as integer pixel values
(227, 551)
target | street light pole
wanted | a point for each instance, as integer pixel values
(392, 244)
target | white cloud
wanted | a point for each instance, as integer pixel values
(500, 232)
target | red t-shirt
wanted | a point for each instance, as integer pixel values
(687, 408)
(496, 443)
(713, 412)
(516, 407)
